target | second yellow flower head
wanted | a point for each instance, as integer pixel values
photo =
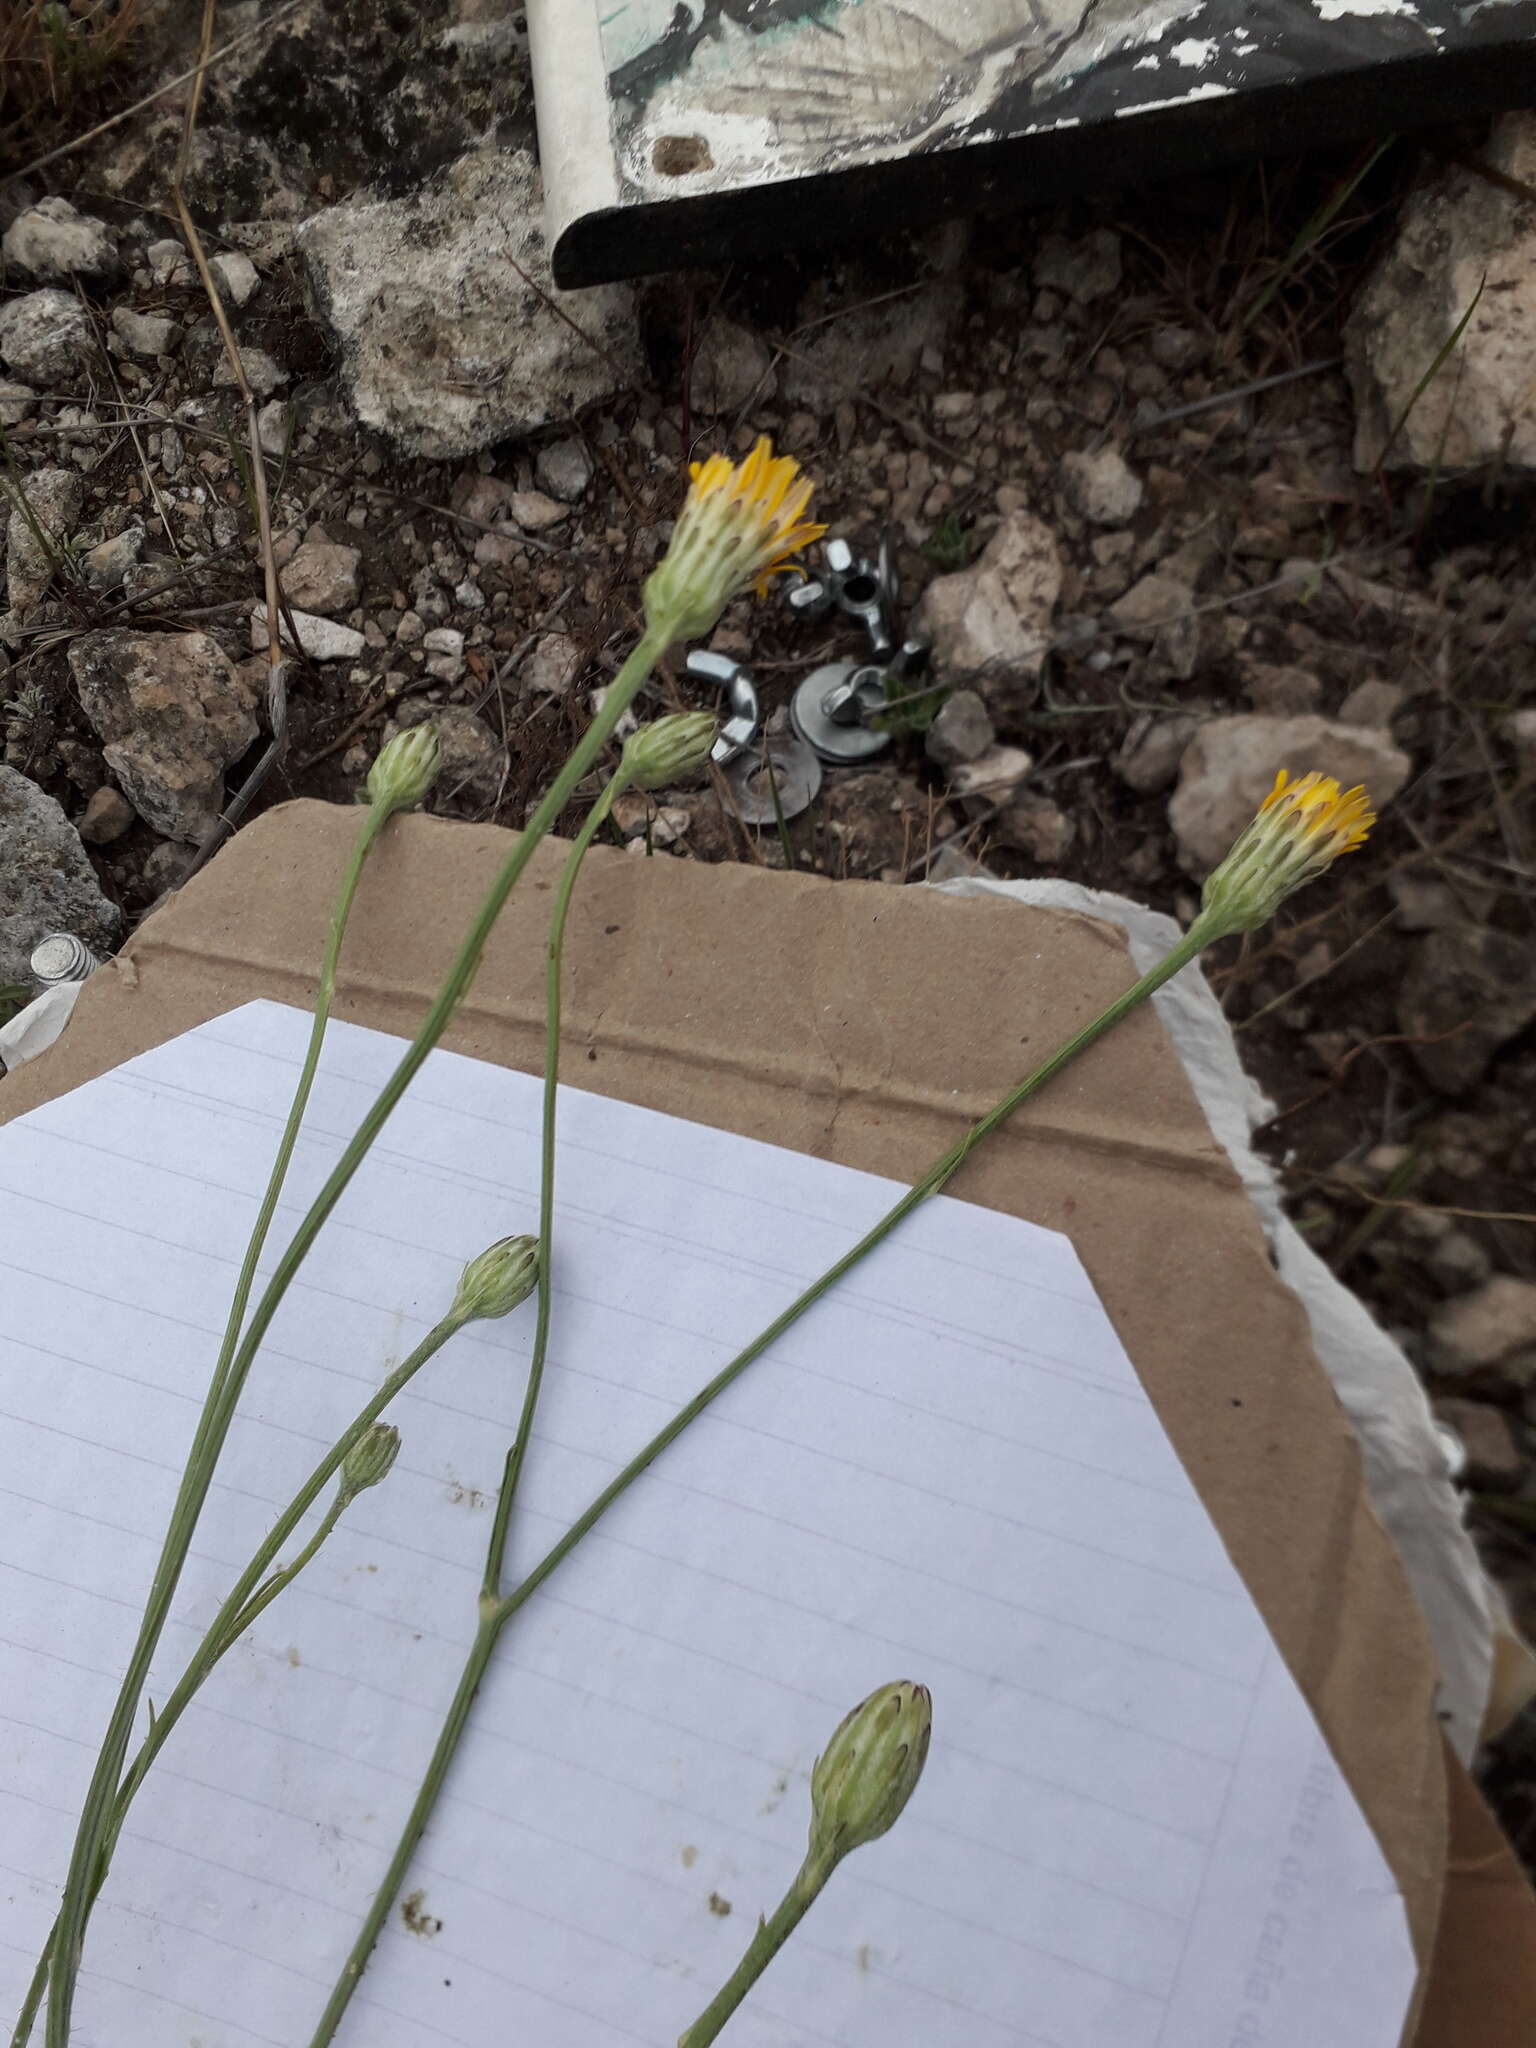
(1302, 827)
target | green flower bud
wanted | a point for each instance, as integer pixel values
(369, 1460)
(406, 768)
(870, 1768)
(670, 749)
(495, 1282)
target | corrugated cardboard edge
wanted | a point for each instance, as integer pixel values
(866, 1025)
(1481, 1987)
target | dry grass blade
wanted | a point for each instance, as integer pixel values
(11, 27)
(1429, 376)
(52, 59)
(1311, 232)
(277, 691)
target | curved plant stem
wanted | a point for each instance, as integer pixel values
(254, 1591)
(207, 1441)
(251, 1594)
(223, 1397)
(497, 1611)
(554, 954)
(769, 1937)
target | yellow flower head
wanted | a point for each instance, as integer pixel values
(742, 523)
(1302, 827)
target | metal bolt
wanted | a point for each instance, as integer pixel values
(743, 716)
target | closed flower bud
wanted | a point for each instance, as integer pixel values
(406, 769)
(369, 1460)
(669, 750)
(495, 1282)
(870, 1768)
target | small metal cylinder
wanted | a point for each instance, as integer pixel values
(62, 957)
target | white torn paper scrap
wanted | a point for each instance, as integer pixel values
(1130, 1833)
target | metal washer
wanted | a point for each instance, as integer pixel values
(796, 777)
(808, 714)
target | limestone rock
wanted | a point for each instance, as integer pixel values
(106, 817)
(1149, 757)
(1039, 827)
(961, 730)
(274, 425)
(108, 563)
(144, 334)
(444, 649)
(1230, 765)
(564, 470)
(1469, 990)
(1159, 608)
(445, 348)
(16, 401)
(474, 760)
(321, 576)
(1458, 232)
(173, 713)
(991, 778)
(1483, 1332)
(1282, 690)
(235, 275)
(54, 243)
(1487, 1438)
(996, 615)
(46, 338)
(47, 883)
(53, 499)
(551, 666)
(321, 639)
(1101, 487)
(262, 372)
(1374, 702)
(535, 512)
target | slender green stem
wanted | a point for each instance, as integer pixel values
(265, 1594)
(415, 1826)
(496, 1613)
(554, 954)
(208, 1439)
(490, 1591)
(932, 1181)
(251, 1594)
(258, 1586)
(770, 1936)
(26, 2019)
(65, 1961)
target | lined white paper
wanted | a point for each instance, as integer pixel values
(1130, 1833)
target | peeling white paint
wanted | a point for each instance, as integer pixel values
(1194, 51)
(1210, 91)
(1336, 10)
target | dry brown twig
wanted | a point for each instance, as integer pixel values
(1347, 1188)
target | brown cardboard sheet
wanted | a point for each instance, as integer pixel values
(867, 1025)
